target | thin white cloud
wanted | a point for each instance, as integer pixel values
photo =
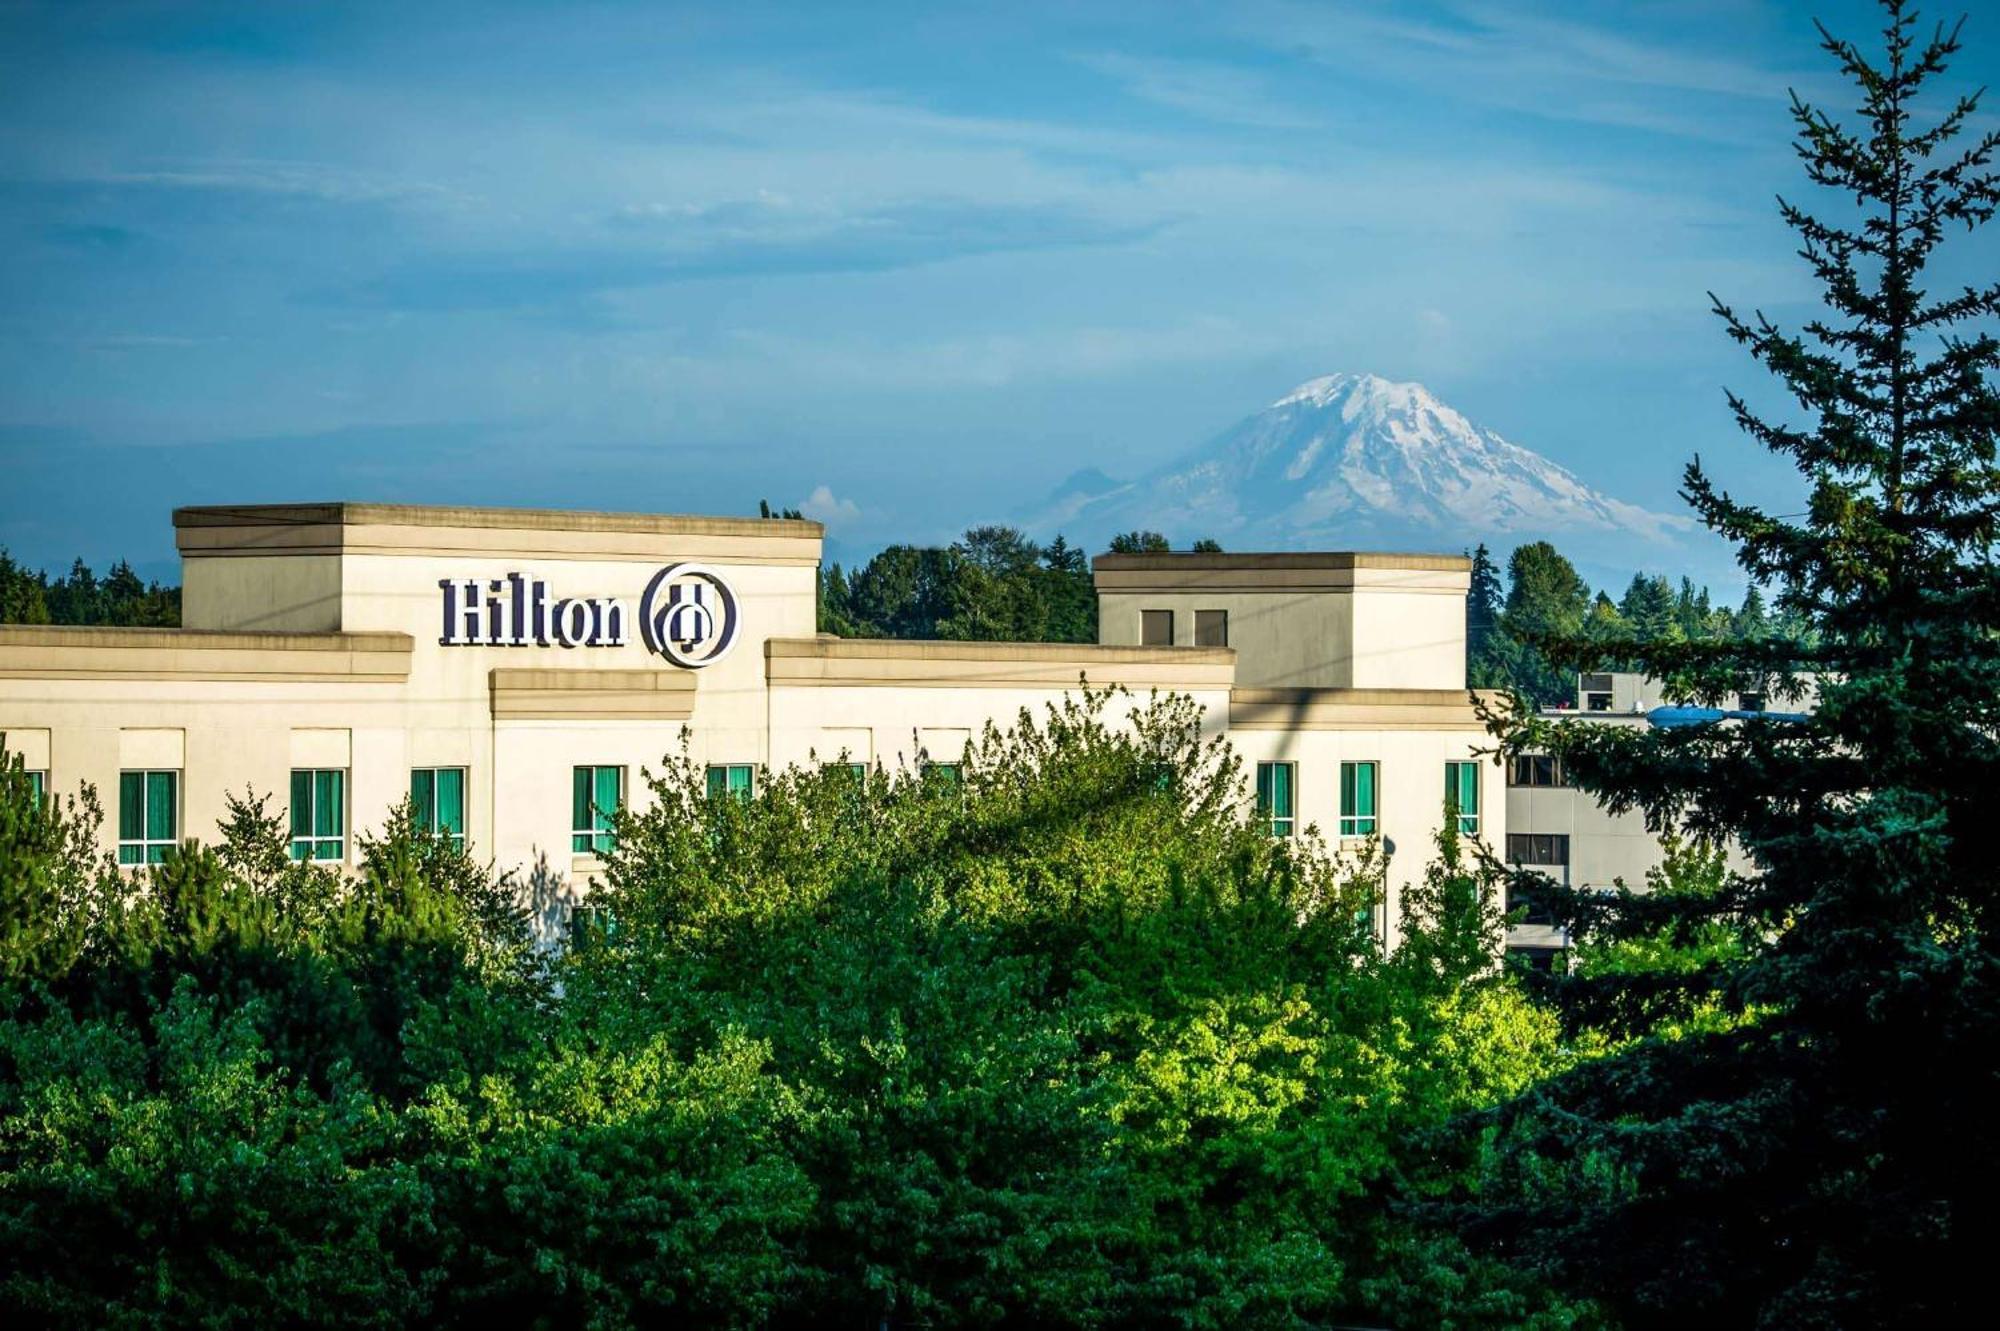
(1211, 91)
(1560, 68)
(822, 506)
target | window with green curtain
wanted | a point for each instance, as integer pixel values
(1461, 785)
(437, 800)
(148, 815)
(1275, 797)
(734, 779)
(1357, 799)
(319, 813)
(39, 783)
(945, 774)
(596, 795)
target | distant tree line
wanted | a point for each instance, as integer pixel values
(120, 598)
(993, 584)
(1546, 600)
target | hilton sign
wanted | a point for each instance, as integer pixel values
(687, 614)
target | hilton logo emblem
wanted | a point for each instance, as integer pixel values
(688, 615)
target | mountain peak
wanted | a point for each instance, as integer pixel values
(1347, 461)
(1365, 394)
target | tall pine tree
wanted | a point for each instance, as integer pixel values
(1488, 663)
(1825, 1149)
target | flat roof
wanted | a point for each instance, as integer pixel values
(1191, 562)
(1280, 572)
(350, 514)
(913, 662)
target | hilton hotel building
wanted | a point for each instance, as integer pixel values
(514, 671)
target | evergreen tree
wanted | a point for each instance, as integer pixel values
(23, 594)
(1488, 663)
(1604, 624)
(836, 608)
(1648, 607)
(1826, 1151)
(1752, 621)
(1070, 593)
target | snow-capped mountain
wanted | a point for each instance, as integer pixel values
(1354, 461)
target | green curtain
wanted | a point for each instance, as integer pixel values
(131, 806)
(1274, 796)
(451, 801)
(329, 806)
(302, 796)
(1461, 783)
(423, 797)
(1357, 799)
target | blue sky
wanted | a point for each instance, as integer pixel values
(907, 265)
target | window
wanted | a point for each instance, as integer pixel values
(437, 798)
(1211, 628)
(858, 772)
(1535, 769)
(149, 815)
(1156, 628)
(39, 783)
(1357, 799)
(319, 814)
(1548, 960)
(596, 794)
(1461, 784)
(736, 779)
(1276, 784)
(1541, 848)
(1749, 702)
(948, 774)
(1597, 702)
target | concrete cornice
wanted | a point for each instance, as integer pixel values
(1353, 709)
(1307, 571)
(405, 529)
(1321, 559)
(63, 652)
(592, 695)
(906, 663)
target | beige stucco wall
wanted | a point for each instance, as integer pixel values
(1357, 621)
(298, 593)
(1407, 635)
(1282, 638)
(1410, 797)
(232, 736)
(889, 726)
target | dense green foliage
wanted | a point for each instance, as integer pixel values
(120, 598)
(1798, 1123)
(994, 585)
(1071, 1041)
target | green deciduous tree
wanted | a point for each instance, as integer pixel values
(1139, 543)
(1071, 1041)
(1546, 602)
